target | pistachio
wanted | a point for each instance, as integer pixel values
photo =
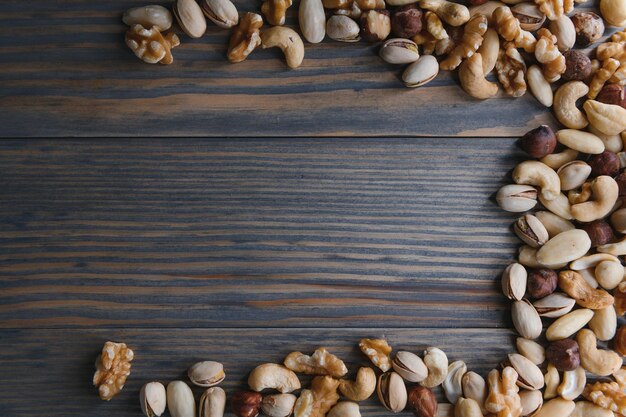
(532, 350)
(149, 16)
(531, 231)
(564, 247)
(410, 366)
(437, 363)
(573, 174)
(517, 198)
(573, 384)
(514, 281)
(392, 391)
(345, 409)
(529, 16)
(343, 29)
(452, 385)
(421, 72)
(180, 401)
(278, 405)
(212, 403)
(556, 407)
(531, 402)
(190, 17)
(399, 51)
(312, 19)
(206, 374)
(569, 324)
(526, 319)
(475, 388)
(554, 305)
(152, 398)
(221, 12)
(529, 374)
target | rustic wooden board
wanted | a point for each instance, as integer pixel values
(48, 372)
(65, 71)
(251, 232)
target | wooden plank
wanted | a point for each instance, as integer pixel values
(253, 232)
(64, 71)
(48, 372)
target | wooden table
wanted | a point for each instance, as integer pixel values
(205, 210)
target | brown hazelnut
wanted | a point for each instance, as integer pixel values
(406, 21)
(422, 402)
(621, 184)
(605, 163)
(375, 25)
(589, 28)
(539, 142)
(577, 66)
(619, 343)
(563, 354)
(541, 282)
(600, 232)
(246, 403)
(613, 94)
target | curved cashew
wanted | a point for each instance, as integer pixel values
(559, 206)
(557, 160)
(362, 387)
(604, 193)
(437, 363)
(565, 108)
(597, 361)
(538, 174)
(618, 220)
(453, 14)
(617, 248)
(287, 40)
(607, 118)
(578, 140)
(580, 196)
(472, 78)
(274, 376)
(591, 261)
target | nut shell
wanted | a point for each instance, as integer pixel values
(392, 392)
(190, 17)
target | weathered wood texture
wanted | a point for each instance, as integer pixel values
(65, 71)
(48, 372)
(251, 232)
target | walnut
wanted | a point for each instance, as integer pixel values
(378, 351)
(150, 46)
(602, 76)
(245, 37)
(337, 4)
(324, 389)
(434, 26)
(473, 33)
(607, 395)
(553, 9)
(322, 362)
(548, 54)
(366, 5)
(112, 369)
(503, 399)
(427, 41)
(275, 10)
(619, 76)
(509, 28)
(611, 50)
(511, 68)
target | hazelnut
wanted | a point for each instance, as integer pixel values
(406, 21)
(375, 25)
(539, 142)
(577, 66)
(589, 28)
(619, 343)
(621, 184)
(600, 232)
(563, 354)
(606, 163)
(541, 282)
(422, 402)
(612, 94)
(246, 403)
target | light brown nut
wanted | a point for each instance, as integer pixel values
(452, 384)
(361, 388)
(190, 17)
(274, 376)
(206, 374)
(475, 388)
(150, 45)
(620, 299)
(607, 118)
(531, 231)
(324, 390)
(597, 361)
(221, 12)
(112, 369)
(304, 404)
(532, 401)
(565, 32)
(514, 281)
(378, 351)
(467, 407)
(526, 320)
(559, 206)
(245, 37)
(517, 198)
(287, 40)
(511, 68)
(278, 405)
(533, 351)
(473, 33)
(489, 50)
(399, 51)
(552, 380)
(581, 141)
(149, 16)
(343, 29)
(548, 54)
(487, 8)
(604, 323)
(421, 72)
(529, 375)
(565, 108)
(557, 160)
(275, 11)
(573, 174)
(529, 16)
(589, 409)
(608, 395)
(554, 224)
(618, 220)
(392, 392)
(503, 399)
(604, 194)
(556, 407)
(509, 28)
(568, 324)
(573, 384)
(437, 363)
(609, 274)
(375, 25)
(602, 75)
(614, 12)
(434, 26)
(576, 287)
(322, 362)
(152, 399)
(312, 19)
(612, 143)
(591, 261)
(180, 401)
(540, 175)
(616, 248)
(213, 402)
(539, 86)
(453, 14)
(345, 409)
(552, 8)
(410, 366)
(564, 247)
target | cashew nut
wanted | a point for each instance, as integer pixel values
(472, 78)
(580, 196)
(573, 384)
(538, 174)
(597, 361)
(453, 14)
(578, 140)
(362, 387)
(559, 206)
(437, 363)
(287, 40)
(617, 248)
(557, 160)
(607, 118)
(604, 193)
(565, 108)
(618, 220)
(274, 376)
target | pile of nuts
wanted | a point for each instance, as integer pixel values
(528, 44)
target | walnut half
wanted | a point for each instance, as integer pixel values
(245, 38)
(112, 369)
(150, 46)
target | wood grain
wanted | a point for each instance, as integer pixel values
(65, 71)
(253, 232)
(48, 372)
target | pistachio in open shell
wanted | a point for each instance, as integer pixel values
(153, 399)
(206, 374)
